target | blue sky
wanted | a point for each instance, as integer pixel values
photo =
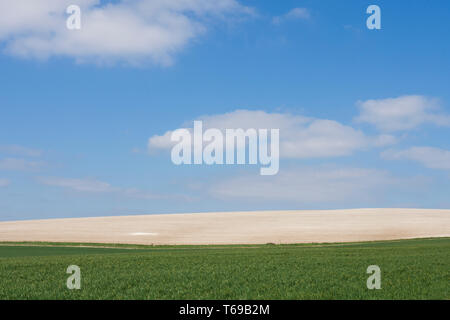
(77, 112)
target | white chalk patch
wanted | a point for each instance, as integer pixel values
(143, 234)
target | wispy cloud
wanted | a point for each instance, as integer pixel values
(81, 185)
(129, 31)
(4, 182)
(307, 185)
(401, 113)
(294, 14)
(20, 151)
(433, 158)
(94, 186)
(146, 195)
(19, 164)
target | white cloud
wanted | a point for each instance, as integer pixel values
(294, 14)
(322, 138)
(4, 182)
(385, 140)
(308, 185)
(128, 31)
(19, 164)
(433, 158)
(160, 142)
(401, 113)
(300, 137)
(20, 151)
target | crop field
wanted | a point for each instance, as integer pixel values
(410, 269)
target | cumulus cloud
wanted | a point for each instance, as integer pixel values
(160, 142)
(20, 151)
(401, 113)
(131, 31)
(430, 157)
(19, 164)
(308, 185)
(4, 182)
(322, 138)
(294, 14)
(300, 137)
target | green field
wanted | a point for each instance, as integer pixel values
(410, 269)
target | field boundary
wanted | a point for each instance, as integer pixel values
(214, 246)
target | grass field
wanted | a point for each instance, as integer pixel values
(410, 269)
